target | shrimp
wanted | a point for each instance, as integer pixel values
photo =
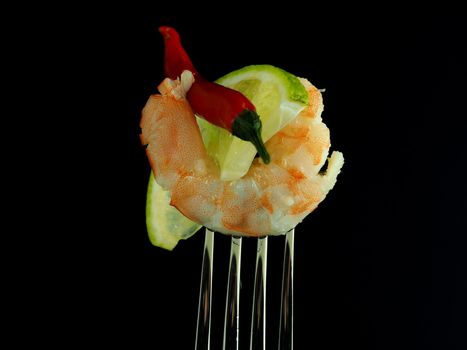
(270, 199)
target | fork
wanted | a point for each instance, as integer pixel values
(232, 305)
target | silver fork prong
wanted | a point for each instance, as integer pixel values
(232, 304)
(203, 327)
(286, 318)
(258, 318)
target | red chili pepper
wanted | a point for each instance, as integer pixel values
(219, 105)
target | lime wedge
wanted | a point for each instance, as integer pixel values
(278, 97)
(165, 224)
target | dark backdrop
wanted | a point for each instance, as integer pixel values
(381, 264)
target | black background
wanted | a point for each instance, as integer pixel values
(381, 264)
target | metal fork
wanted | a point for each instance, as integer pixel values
(232, 305)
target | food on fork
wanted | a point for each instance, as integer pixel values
(275, 194)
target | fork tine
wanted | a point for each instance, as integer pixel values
(203, 327)
(258, 318)
(286, 318)
(232, 304)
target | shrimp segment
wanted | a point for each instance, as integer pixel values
(270, 199)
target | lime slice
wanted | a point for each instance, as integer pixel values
(165, 224)
(278, 97)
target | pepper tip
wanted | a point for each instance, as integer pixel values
(168, 32)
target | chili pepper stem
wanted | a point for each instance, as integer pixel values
(247, 126)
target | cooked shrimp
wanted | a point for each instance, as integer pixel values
(270, 199)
